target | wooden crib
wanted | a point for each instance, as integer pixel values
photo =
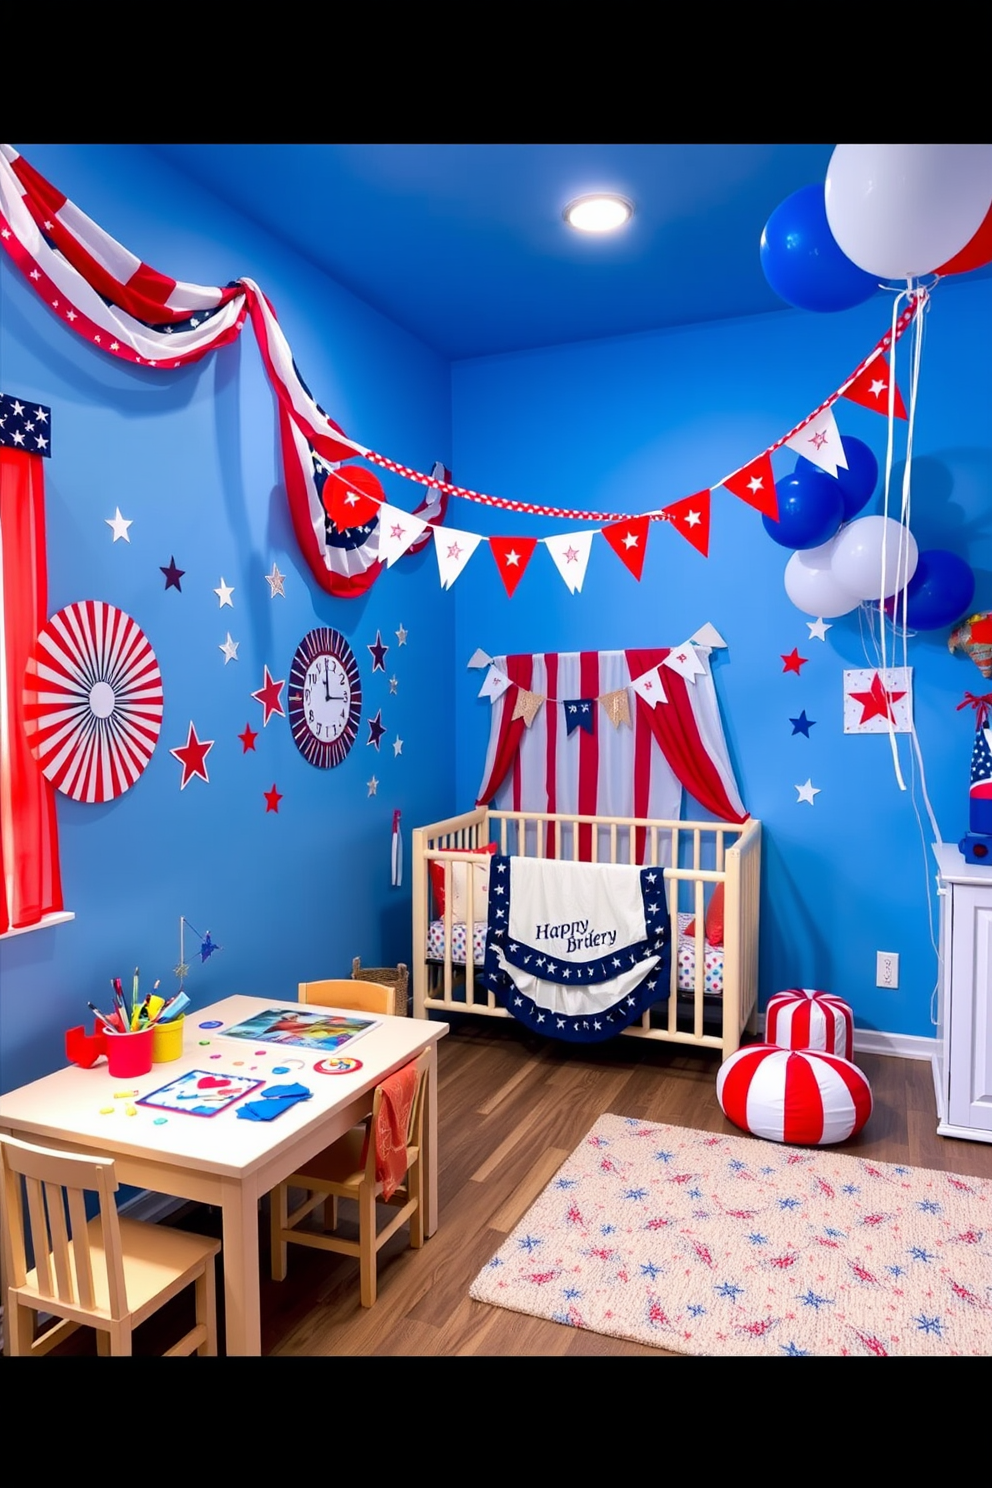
(695, 856)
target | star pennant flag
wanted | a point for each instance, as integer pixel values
(616, 706)
(871, 388)
(755, 484)
(691, 516)
(527, 705)
(453, 548)
(571, 556)
(512, 555)
(686, 661)
(579, 713)
(878, 701)
(629, 540)
(352, 496)
(397, 530)
(819, 441)
(495, 684)
(650, 687)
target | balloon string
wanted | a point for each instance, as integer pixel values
(882, 586)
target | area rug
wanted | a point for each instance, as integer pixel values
(723, 1245)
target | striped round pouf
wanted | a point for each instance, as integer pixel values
(802, 1018)
(793, 1095)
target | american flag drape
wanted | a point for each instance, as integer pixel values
(127, 309)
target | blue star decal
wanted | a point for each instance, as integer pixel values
(376, 729)
(378, 653)
(173, 575)
(802, 724)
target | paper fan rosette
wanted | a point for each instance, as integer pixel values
(93, 701)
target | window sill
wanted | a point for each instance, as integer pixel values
(59, 918)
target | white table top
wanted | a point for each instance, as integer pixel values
(72, 1104)
(955, 868)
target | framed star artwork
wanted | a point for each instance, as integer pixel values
(93, 701)
(878, 700)
(325, 697)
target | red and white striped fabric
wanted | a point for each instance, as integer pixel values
(793, 1095)
(803, 1018)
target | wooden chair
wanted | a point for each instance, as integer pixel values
(109, 1273)
(347, 1170)
(363, 997)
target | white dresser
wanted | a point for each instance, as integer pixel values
(962, 1065)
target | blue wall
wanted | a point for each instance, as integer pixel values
(625, 425)
(191, 458)
(636, 423)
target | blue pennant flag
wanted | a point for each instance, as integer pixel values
(579, 713)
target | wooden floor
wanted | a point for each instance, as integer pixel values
(512, 1107)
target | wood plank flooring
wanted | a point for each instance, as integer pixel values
(511, 1109)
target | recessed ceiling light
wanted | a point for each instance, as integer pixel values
(598, 213)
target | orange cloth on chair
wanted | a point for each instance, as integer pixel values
(392, 1126)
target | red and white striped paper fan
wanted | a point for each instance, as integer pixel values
(93, 701)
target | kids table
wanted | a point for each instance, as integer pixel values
(223, 1160)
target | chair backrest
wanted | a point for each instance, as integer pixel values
(363, 997)
(415, 1124)
(56, 1184)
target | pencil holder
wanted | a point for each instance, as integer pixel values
(129, 1054)
(167, 1040)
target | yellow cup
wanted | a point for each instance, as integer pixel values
(167, 1040)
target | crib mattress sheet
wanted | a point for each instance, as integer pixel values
(712, 965)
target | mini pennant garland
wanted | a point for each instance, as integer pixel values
(527, 705)
(580, 713)
(616, 705)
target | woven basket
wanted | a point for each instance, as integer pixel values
(390, 976)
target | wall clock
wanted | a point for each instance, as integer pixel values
(93, 701)
(325, 697)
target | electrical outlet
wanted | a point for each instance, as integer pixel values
(887, 969)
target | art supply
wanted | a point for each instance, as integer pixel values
(102, 1017)
(130, 1054)
(167, 1040)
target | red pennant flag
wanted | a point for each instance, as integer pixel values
(691, 516)
(755, 484)
(629, 540)
(351, 496)
(512, 555)
(871, 388)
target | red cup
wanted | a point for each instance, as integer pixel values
(129, 1054)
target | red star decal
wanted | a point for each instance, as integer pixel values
(877, 703)
(268, 696)
(272, 799)
(192, 756)
(247, 739)
(794, 661)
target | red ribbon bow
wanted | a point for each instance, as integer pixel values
(981, 704)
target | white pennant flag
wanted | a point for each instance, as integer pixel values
(649, 686)
(453, 549)
(685, 660)
(820, 442)
(397, 530)
(708, 635)
(571, 555)
(495, 684)
(479, 658)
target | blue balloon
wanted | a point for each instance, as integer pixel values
(802, 261)
(857, 483)
(939, 593)
(809, 512)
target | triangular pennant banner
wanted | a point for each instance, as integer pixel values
(352, 496)
(871, 388)
(527, 705)
(685, 660)
(649, 686)
(397, 530)
(629, 540)
(495, 684)
(571, 555)
(579, 713)
(453, 548)
(512, 555)
(755, 484)
(707, 635)
(479, 658)
(691, 516)
(617, 706)
(819, 442)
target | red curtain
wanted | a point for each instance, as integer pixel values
(30, 883)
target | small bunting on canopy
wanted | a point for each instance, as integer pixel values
(579, 713)
(479, 658)
(527, 705)
(871, 388)
(691, 517)
(819, 442)
(755, 484)
(512, 555)
(495, 684)
(707, 635)
(616, 705)
(685, 660)
(629, 540)
(650, 687)
(571, 556)
(453, 548)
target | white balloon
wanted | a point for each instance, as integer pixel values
(856, 562)
(900, 211)
(813, 587)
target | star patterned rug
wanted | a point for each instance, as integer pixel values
(723, 1245)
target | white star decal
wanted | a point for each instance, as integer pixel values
(693, 519)
(877, 387)
(275, 583)
(118, 525)
(512, 559)
(401, 636)
(630, 541)
(230, 649)
(373, 785)
(755, 483)
(397, 747)
(224, 593)
(817, 629)
(807, 792)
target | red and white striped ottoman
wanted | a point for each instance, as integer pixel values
(802, 1018)
(793, 1095)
